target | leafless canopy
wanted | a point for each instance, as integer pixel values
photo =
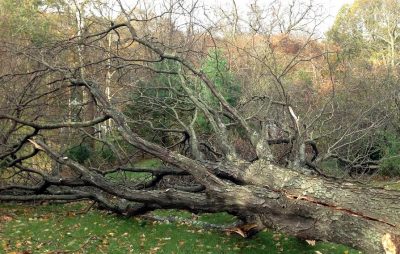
(213, 95)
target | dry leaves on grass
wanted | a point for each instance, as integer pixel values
(6, 218)
(311, 242)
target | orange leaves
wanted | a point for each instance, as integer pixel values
(242, 230)
(6, 218)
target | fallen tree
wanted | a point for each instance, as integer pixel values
(294, 197)
(307, 206)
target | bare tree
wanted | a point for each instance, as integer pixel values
(158, 73)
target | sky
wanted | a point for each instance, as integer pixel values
(330, 6)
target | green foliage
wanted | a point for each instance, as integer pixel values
(79, 153)
(203, 124)
(370, 28)
(156, 96)
(390, 147)
(107, 154)
(3, 164)
(153, 100)
(167, 80)
(216, 68)
(346, 33)
(305, 77)
(23, 20)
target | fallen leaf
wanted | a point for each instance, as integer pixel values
(40, 245)
(311, 242)
(154, 250)
(6, 218)
(276, 237)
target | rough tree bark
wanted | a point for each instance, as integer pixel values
(260, 192)
(309, 207)
(306, 206)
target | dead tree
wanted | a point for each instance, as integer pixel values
(296, 199)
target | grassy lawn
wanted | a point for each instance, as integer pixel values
(64, 229)
(136, 176)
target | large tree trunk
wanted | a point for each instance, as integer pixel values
(305, 206)
(260, 193)
(312, 207)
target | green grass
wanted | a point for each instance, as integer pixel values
(149, 163)
(136, 176)
(61, 228)
(393, 186)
